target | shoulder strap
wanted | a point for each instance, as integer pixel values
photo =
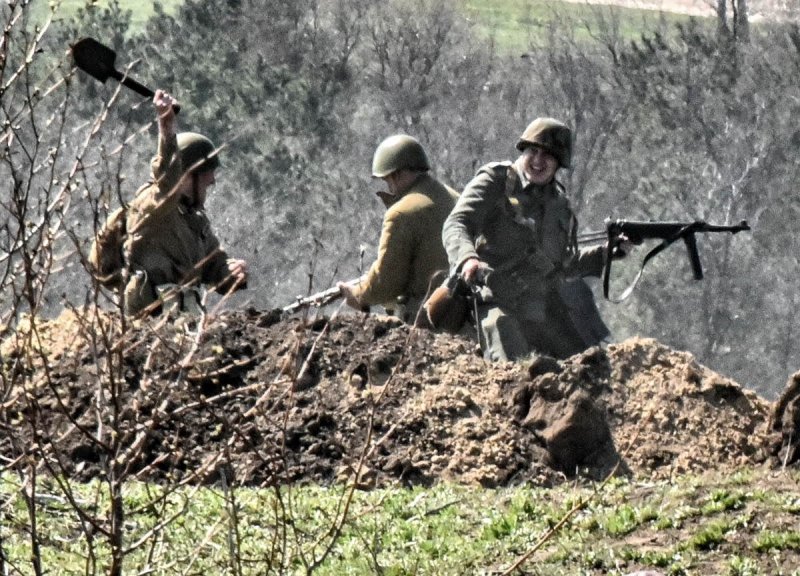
(666, 242)
(533, 252)
(512, 179)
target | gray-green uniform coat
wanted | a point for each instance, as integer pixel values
(169, 241)
(528, 237)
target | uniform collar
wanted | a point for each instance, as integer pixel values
(534, 189)
(411, 184)
(390, 199)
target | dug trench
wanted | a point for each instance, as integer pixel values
(252, 398)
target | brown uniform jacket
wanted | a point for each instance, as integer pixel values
(169, 242)
(410, 248)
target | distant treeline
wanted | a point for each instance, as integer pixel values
(682, 123)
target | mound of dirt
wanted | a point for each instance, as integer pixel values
(262, 400)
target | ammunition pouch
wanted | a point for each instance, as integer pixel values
(447, 308)
(180, 299)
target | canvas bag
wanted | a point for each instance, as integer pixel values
(106, 258)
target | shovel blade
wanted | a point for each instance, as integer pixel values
(98, 60)
(94, 58)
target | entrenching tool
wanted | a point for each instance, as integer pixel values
(98, 61)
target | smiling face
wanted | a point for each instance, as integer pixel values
(538, 165)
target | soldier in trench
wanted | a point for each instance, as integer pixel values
(513, 232)
(410, 249)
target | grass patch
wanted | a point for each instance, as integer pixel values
(793, 503)
(446, 529)
(710, 536)
(742, 567)
(771, 540)
(140, 10)
(723, 500)
(514, 25)
(626, 519)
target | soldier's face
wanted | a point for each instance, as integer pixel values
(205, 180)
(539, 165)
(391, 182)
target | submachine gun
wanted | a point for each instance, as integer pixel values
(667, 232)
(317, 300)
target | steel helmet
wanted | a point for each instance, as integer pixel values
(398, 152)
(551, 135)
(198, 152)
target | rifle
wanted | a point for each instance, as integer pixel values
(317, 300)
(667, 232)
(593, 237)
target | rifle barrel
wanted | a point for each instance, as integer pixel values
(317, 300)
(592, 237)
(637, 231)
(740, 227)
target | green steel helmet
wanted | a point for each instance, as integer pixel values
(196, 150)
(551, 135)
(398, 152)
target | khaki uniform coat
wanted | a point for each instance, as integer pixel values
(169, 241)
(528, 236)
(410, 248)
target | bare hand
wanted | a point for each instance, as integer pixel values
(238, 269)
(349, 295)
(472, 270)
(164, 104)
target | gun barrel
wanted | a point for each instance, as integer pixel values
(592, 237)
(316, 300)
(638, 231)
(742, 226)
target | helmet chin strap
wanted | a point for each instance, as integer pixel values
(191, 200)
(195, 191)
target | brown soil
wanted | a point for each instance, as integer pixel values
(262, 401)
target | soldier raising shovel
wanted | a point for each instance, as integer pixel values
(169, 248)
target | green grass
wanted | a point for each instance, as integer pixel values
(447, 529)
(141, 10)
(771, 540)
(516, 24)
(512, 24)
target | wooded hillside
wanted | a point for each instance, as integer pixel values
(683, 122)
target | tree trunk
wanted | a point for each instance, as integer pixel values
(741, 25)
(739, 19)
(722, 17)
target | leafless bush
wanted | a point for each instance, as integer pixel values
(61, 172)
